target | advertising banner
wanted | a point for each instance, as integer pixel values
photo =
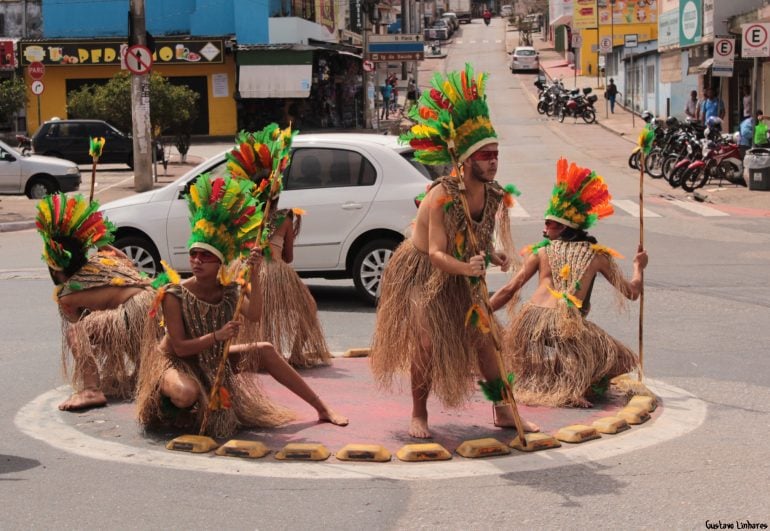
(324, 10)
(668, 29)
(7, 56)
(585, 15)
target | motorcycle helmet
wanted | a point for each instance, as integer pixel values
(647, 116)
(672, 122)
(714, 123)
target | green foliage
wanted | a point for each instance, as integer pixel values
(173, 108)
(13, 96)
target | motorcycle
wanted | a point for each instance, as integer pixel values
(580, 106)
(25, 144)
(721, 159)
(487, 20)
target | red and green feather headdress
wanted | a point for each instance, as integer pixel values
(580, 197)
(59, 217)
(452, 119)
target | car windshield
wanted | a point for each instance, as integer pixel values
(430, 172)
(525, 52)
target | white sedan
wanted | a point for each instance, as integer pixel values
(35, 175)
(525, 58)
(358, 191)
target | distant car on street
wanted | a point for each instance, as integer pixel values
(68, 139)
(358, 191)
(439, 30)
(506, 10)
(525, 58)
(35, 175)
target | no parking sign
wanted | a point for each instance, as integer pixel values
(756, 39)
(724, 55)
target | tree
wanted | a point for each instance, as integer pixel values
(13, 97)
(173, 108)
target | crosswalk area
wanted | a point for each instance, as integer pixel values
(660, 208)
(479, 41)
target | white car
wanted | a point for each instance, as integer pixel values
(35, 175)
(358, 191)
(525, 58)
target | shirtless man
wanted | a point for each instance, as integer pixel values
(569, 355)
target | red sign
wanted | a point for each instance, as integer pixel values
(7, 56)
(368, 66)
(36, 70)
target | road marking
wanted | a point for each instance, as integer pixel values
(632, 208)
(459, 41)
(498, 41)
(697, 208)
(472, 42)
(40, 419)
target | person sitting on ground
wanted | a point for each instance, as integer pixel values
(103, 300)
(558, 356)
(202, 314)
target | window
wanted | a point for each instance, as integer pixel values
(328, 168)
(429, 172)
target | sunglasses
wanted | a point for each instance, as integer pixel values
(203, 256)
(485, 155)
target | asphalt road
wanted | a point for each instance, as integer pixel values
(705, 332)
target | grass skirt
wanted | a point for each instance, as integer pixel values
(289, 317)
(557, 355)
(418, 299)
(249, 405)
(111, 341)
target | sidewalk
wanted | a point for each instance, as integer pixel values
(628, 125)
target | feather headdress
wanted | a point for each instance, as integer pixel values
(62, 218)
(580, 197)
(262, 157)
(452, 119)
(225, 216)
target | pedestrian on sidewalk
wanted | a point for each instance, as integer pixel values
(760, 131)
(712, 106)
(611, 93)
(692, 107)
(387, 93)
(746, 135)
(411, 95)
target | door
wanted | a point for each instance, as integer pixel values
(10, 173)
(335, 187)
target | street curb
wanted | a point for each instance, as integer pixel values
(11, 226)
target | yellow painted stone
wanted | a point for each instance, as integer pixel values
(423, 452)
(196, 444)
(645, 402)
(303, 451)
(610, 425)
(249, 449)
(535, 442)
(356, 353)
(634, 415)
(577, 433)
(364, 452)
(482, 448)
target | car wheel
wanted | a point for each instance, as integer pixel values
(39, 187)
(368, 267)
(142, 253)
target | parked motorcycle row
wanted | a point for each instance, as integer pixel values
(555, 100)
(690, 154)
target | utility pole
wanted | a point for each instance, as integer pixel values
(140, 106)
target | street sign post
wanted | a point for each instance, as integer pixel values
(368, 66)
(605, 45)
(36, 70)
(756, 40)
(398, 47)
(724, 54)
(138, 59)
(631, 40)
(37, 87)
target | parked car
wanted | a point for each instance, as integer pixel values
(525, 58)
(394, 27)
(68, 139)
(439, 30)
(452, 19)
(358, 191)
(35, 175)
(506, 10)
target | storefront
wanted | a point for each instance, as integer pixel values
(316, 86)
(202, 64)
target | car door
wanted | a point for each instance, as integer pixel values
(10, 173)
(177, 220)
(335, 186)
(72, 142)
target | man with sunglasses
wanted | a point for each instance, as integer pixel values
(427, 288)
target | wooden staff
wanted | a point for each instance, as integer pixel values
(640, 374)
(236, 315)
(494, 330)
(95, 150)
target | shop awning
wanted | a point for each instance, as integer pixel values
(702, 68)
(276, 73)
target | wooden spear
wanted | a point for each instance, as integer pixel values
(96, 145)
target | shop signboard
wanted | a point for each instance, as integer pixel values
(584, 15)
(668, 28)
(690, 22)
(108, 52)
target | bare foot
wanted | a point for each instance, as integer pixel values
(329, 415)
(504, 419)
(419, 428)
(84, 399)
